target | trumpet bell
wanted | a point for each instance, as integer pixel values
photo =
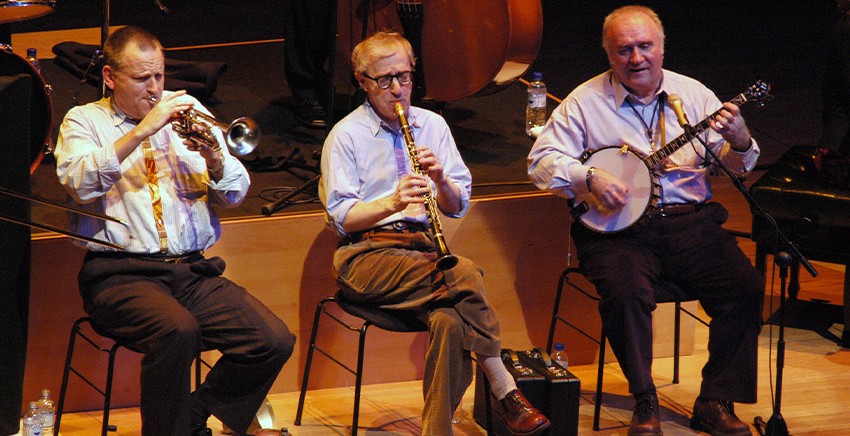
(242, 136)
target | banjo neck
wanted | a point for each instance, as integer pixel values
(683, 139)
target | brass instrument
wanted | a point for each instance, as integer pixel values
(242, 135)
(445, 260)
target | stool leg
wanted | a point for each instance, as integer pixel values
(845, 334)
(555, 312)
(359, 377)
(66, 373)
(677, 334)
(107, 398)
(309, 362)
(597, 403)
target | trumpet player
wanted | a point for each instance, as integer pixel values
(162, 296)
(387, 256)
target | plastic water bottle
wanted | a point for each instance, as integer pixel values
(33, 423)
(559, 356)
(535, 111)
(32, 58)
(47, 410)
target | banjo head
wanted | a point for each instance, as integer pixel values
(630, 168)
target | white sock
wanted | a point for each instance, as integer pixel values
(501, 382)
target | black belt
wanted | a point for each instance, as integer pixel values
(393, 227)
(667, 210)
(192, 256)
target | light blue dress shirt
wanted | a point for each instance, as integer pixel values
(359, 162)
(596, 115)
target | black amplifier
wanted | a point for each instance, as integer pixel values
(548, 387)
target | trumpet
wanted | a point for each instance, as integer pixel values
(241, 136)
(445, 260)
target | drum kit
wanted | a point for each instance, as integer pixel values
(41, 105)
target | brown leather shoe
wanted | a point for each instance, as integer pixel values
(519, 415)
(645, 421)
(718, 418)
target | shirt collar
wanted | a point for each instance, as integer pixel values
(118, 116)
(620, 92)
(376, 124)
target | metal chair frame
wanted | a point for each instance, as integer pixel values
(106, 390)
(362, 313)
(667, 293)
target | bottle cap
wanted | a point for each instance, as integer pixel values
(31, 52)
(537, 75)
(559, 346)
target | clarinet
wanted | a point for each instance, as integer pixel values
(445, 260)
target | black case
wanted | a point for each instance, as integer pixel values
(551, 389)
(563, 392)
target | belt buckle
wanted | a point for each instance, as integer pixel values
(400, 225)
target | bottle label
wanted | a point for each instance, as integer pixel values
(536, 100)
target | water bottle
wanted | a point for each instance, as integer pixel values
(535, 111)
(32, 421)
(32, 58)
(47, 410)
(559, 356)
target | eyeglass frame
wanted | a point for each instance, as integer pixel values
(390, 77)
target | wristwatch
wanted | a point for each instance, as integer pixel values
(589, 177)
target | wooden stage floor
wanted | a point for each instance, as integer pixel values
(815, 384)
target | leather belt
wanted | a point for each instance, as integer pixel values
(393, 227)
(668, 210)
(192, 256)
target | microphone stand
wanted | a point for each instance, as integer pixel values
(776, 425)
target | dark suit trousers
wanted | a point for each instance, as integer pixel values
(694, 252)
(170, 312)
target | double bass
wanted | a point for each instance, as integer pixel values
(463, 48)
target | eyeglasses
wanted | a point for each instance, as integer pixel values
(384, 82)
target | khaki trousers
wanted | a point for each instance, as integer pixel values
(396, 270)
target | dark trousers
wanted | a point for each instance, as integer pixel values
(307, 45)
(170, 312)
(694, 252)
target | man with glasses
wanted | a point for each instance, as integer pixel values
(386, 255)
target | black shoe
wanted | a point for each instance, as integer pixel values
(645, 420)
(310, 113)
(718, 418)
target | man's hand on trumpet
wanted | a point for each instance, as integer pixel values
(163, 111)
(196, 136)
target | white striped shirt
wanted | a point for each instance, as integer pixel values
(88, 168)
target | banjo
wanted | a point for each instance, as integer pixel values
(636, 171)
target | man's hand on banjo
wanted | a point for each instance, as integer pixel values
(609, 190)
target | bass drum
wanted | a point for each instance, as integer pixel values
(41, 105)
(11, 11)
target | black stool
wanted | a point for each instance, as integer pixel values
(665, 293)
(391, 320)
(106, 390)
